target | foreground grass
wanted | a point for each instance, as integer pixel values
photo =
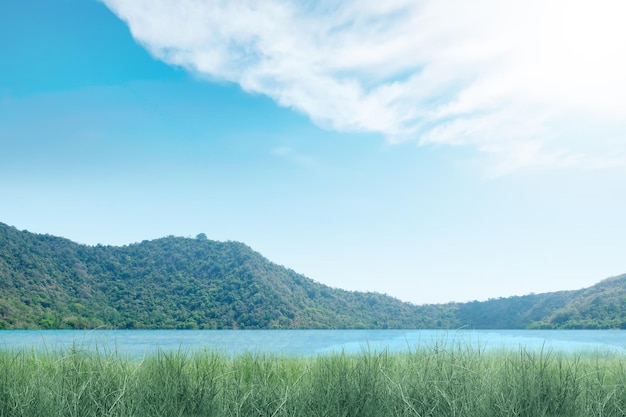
(429, 382)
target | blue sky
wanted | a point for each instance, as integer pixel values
(430, 150)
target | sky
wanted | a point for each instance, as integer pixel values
(431, 150)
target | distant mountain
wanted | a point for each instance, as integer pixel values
(174, 282)
(601, 306)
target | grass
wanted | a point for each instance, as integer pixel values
(426, 382)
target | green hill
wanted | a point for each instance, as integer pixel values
(174, 282)
(602, 306)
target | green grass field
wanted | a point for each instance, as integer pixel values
(433, 382)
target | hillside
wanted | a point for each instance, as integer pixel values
(174, 282)
(602, 306)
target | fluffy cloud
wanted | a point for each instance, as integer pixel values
(529, 83)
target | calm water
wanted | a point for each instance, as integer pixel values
(137, 343)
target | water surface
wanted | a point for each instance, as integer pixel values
(137, 343)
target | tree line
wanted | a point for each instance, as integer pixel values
(48, 282)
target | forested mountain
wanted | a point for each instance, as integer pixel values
(174, 282)
(600, 306)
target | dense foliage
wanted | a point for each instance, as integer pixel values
(174, 282)
(434, 382)
(602, 306)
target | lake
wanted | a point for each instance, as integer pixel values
(137, 343)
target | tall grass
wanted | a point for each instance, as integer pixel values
(425, 382)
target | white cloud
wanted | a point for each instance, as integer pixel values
(510, 79)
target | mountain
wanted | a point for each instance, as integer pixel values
(175, 282)
(601, 306)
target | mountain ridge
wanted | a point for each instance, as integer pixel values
(197, 283)
(171, 282)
